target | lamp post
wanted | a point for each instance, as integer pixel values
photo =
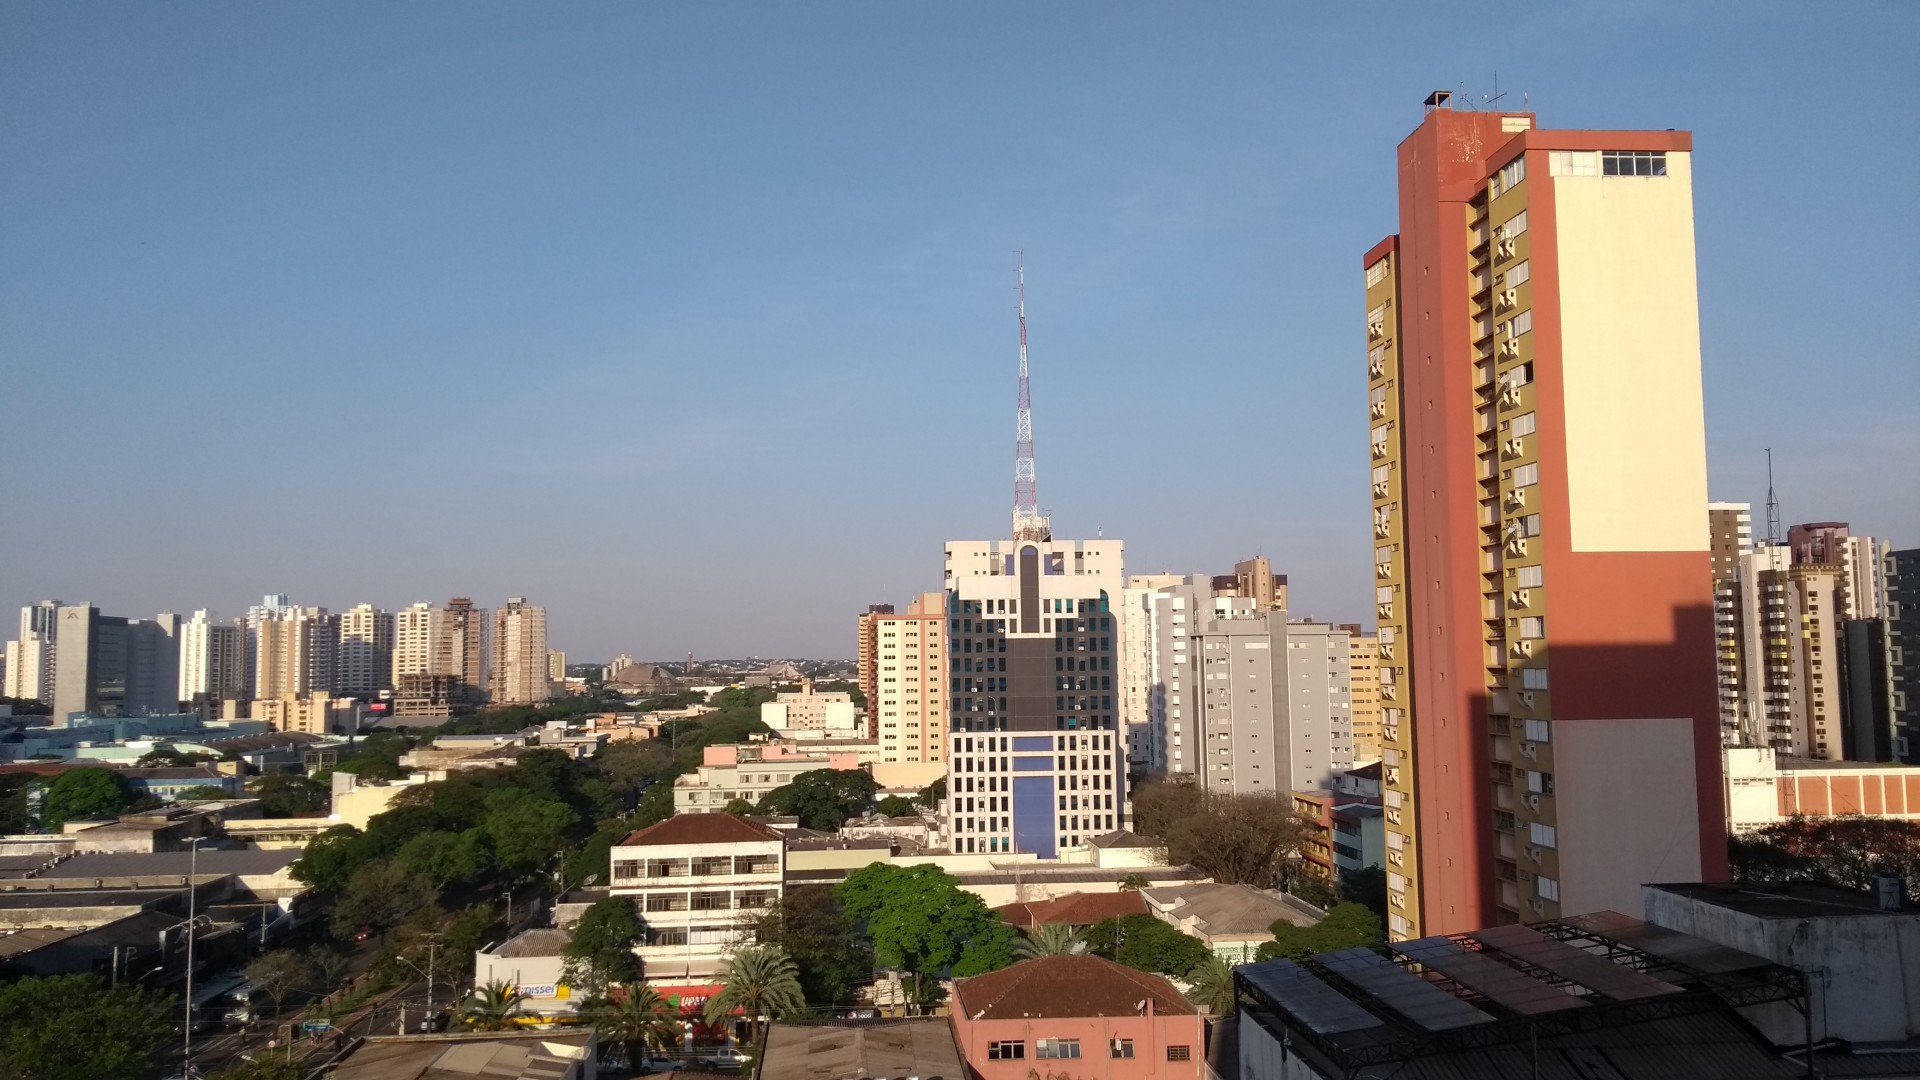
(193, 869)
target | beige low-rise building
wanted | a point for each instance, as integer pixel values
(1232, 920)
(1765, 787)
(809, 710)
(748, 772)
(314, 714)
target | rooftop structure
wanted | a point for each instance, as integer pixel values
(536, 1055)
(1074, 909)
(923, 1047)
(1119, 1022)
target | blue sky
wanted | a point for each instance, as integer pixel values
(694, 322)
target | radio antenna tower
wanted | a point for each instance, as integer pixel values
(1773, 505)
(1028, 522)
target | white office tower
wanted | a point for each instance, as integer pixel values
(213, 659)
(1032, 643)
(1139, 659)
(413, 639)
(31, 657)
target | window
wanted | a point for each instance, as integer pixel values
(1120, 1048)
(1056, 1049)
(1519, 274)
(1526, 475)
(1511, 175)
(1542, 835)
(1522, 425)
(1515, 225)
(1632, 163)
(1529, 577)
(1006, 1051)
(1521, 324)
(1539, 731)
(1376, 274)
(1533, 678)
(1572, 163)
(1530, 525)
(1547, 888)
(1179, 1053)
(1533, 626)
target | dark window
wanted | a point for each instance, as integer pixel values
(1006, 1051)
(1179, 1053)
(1056, 1048)
(1120, 1048)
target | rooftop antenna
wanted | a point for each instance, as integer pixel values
(1492, 100)
(1773, 505)
(1028, 522)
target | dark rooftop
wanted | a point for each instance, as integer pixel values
(922, 1047)
(1784, 900)
(168, 863)
(702, 829)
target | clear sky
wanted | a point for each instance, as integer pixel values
(694, 322)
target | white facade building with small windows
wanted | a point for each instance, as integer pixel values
(696, 880)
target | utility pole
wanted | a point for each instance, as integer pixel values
(433, 940)
(193, 869)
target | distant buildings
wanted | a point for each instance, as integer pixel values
(30, 657)
(1363, 652)
(908, 706)
(797, 713)
(1903, 651)
(213, 659)
(365, 665)
(1543, 570)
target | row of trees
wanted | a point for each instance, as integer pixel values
(1235, 839)
(1850, 852)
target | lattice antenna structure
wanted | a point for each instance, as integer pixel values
(1028, 522)
(1774, 537)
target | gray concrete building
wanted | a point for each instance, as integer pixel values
(112, 666)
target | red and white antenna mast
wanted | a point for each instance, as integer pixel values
(1028, 522)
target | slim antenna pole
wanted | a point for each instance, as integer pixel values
(1773, 505)
(1028, 523)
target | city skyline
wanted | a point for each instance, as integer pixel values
(705, 386)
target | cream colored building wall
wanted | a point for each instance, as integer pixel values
(520, 661)
(1630, 353)
(357, 804)
(907, 775)
(1627, 813)
(1753, 795)
(413, 632)
(1364, 694)
(910, 681)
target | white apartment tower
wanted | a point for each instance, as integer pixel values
(213, 659)
(413, 640)
(30, 657)
(365, 659)
(520, 666)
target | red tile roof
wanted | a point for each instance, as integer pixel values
(702, 829)
(1074, 909)
(1066, 986)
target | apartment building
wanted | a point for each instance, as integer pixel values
(1363, 651)
(520, 672)
(1141, 712)
(111, 666)
(270, 608)
(908, 705)
(1542, 565)
(694, 879)
(295, 652)
(865, 636)
(30, 657)
(461, 647)
(413, 640)
(1034, 762)
(318, 713)
(213, 658)
(365, 664)
(1903, 652)
(809, 710)
(748, 771)
(447, 644)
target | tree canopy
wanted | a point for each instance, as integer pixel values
(923, 923)
(811, 925)
(1236, 839)
(1848, 851)
(1347, 926)
(81, 794)
(1144, 943)
(600, 952)
(285, 795)
(74, 1027)
(822, 799)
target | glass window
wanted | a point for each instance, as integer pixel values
(1056, 1049)
(1632, 163)
(1522, 425)
(1533, 678)
(1548, 888)
(1542, 835)
(1120, 1048)
(1515, 225)
(1526, 475)
(1533, 626)
(1530, 577)
(1522, 323)
(1007, 1051)
(1539, 731)
(1520, 274)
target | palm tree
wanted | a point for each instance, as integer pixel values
(640, 1018)
(1210, 986)
(761, 981)
(1050, 939)
(492, 1007)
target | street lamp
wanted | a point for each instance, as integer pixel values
(193, 869)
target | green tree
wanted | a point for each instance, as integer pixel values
(330, 967)
(379, 897)
(931, 795)
(1321, 892)
(591, 861)
(822, 799)
(895, 806)
(492, 1007)
(601, 948)
(656, 806)
(285, 795)
(639, 1018)
(1235, 839)
(1050, 939)
(809, 924)
(923, 923)
(1347, 926)
(1134, 882)
(1850, 851)
(166, 757)
(21, 706)
(737, 807)
(1366, 886)
(1210, 986)
(84, 794)
(74, 1027)
(527, 830)
(1144, 943)
(446, 858)
(203, 793)
(330, 859)
(264, 1067)
(279, 974)
(759, 981)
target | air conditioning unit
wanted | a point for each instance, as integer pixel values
(1538, 905)
(1516, 498)
(1379, 409)
(1517, 546)
(1510, 396)
(1519, 597)
(1510, 347)
(1533, 802)
(1385, 610)
(1380, 490)
(1384, 570)
(1510, 448)
(1533, 853)
(1381, 530)
(1388, 692)
(1376, 329)
(1509, 298)
(1506, 249)
(1526, 648)
(1526, 698)
(1376, 369)
(1379, 449)
(1528, 749)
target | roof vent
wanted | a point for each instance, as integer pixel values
(1439, 99)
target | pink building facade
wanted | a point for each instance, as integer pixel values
(1060, 1017)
